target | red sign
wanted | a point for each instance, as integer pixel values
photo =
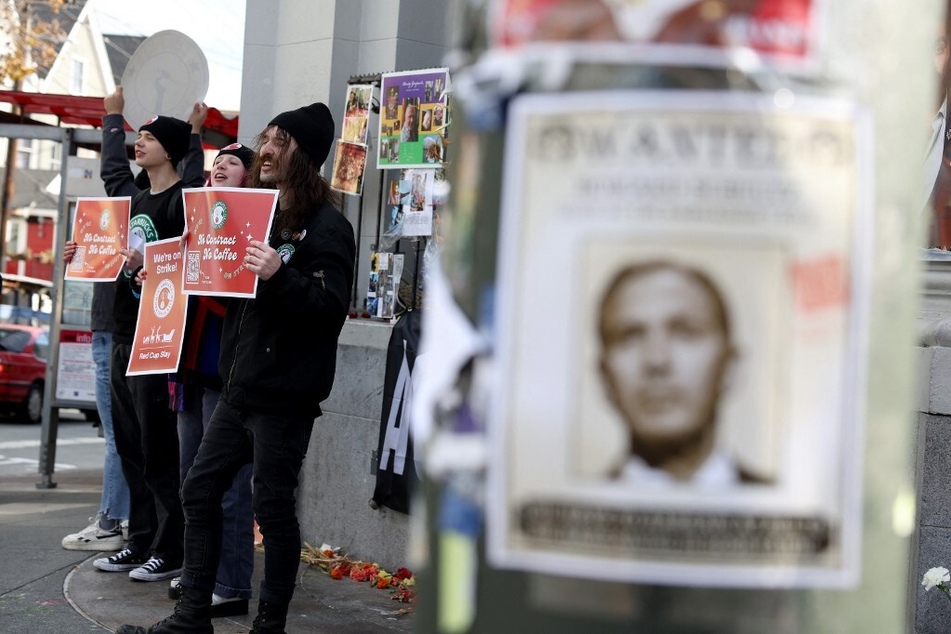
(100, 229)
(781, 32)
(159, 331)
(222, 222)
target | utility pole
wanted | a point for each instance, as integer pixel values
(9, 183)
(26, 40)
(9, 180)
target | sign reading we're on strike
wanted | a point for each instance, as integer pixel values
(159, 330)
(222, 222)
(100, 230)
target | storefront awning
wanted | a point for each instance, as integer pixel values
(73, 110)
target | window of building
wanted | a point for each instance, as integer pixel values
(55, 155)
(76, 77)
(13, 235)
(24, 153)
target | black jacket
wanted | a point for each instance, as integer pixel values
(118, 180)
(279, 350)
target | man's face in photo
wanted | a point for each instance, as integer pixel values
(665, 356)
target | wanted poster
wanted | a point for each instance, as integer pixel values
(160, 328)
(100, 230)
(697, 405)
(222, 222)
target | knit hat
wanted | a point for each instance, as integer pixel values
(244, 153)
(312, 127)
(174, 135)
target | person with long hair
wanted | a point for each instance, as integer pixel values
(278, 359)
(194, 392)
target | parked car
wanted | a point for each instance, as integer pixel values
(23, 354)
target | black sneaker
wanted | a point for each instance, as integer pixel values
(124, 560)
(156, 569)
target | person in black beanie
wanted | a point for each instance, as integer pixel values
(105, 533)
(145, 430)
(278, 358)
(194, 393)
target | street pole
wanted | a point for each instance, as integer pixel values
(9, 184)
(589, 141)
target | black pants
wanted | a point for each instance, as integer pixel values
(276, 444)
(146, 433)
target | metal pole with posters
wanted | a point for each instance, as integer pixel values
(52, 402)
(50, 427)
(678, 316)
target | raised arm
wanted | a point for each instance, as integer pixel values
(192, 167)
(117, 176)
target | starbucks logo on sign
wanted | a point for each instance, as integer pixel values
(164, 298)
(104, 218)
(219, 214)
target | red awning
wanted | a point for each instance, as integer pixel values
(73, 110)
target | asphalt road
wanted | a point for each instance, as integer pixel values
(35, 567)
(78, 445)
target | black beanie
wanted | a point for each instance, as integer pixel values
(244, 153)
(174, 135)
(312, 127)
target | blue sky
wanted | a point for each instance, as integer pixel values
(217, 26)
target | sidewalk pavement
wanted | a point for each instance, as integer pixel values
(44, 588)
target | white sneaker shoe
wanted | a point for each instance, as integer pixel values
(175, 589)
(94, 538)
(230, 606)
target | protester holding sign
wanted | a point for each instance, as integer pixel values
(195, 391)
(146, 438)
(105, 531)
(278, 362)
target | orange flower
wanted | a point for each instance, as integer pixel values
(364, 572)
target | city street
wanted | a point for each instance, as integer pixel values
(78, 444)
(45, 589)
(33, 521)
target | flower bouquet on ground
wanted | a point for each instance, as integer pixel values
(938, 578)
(401, 584)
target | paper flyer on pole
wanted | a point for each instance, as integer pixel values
(781, 34)
(160, 327)
(222, 222)
(357, 114)
(100, 230)
(413, 118)
(386, 270)
(75, 368)
(350, 161)
(418, 205)
(692, 417)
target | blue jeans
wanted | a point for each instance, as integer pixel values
(115, 492)
(275, 444)
(237, 539)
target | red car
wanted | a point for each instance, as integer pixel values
(23, 354)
